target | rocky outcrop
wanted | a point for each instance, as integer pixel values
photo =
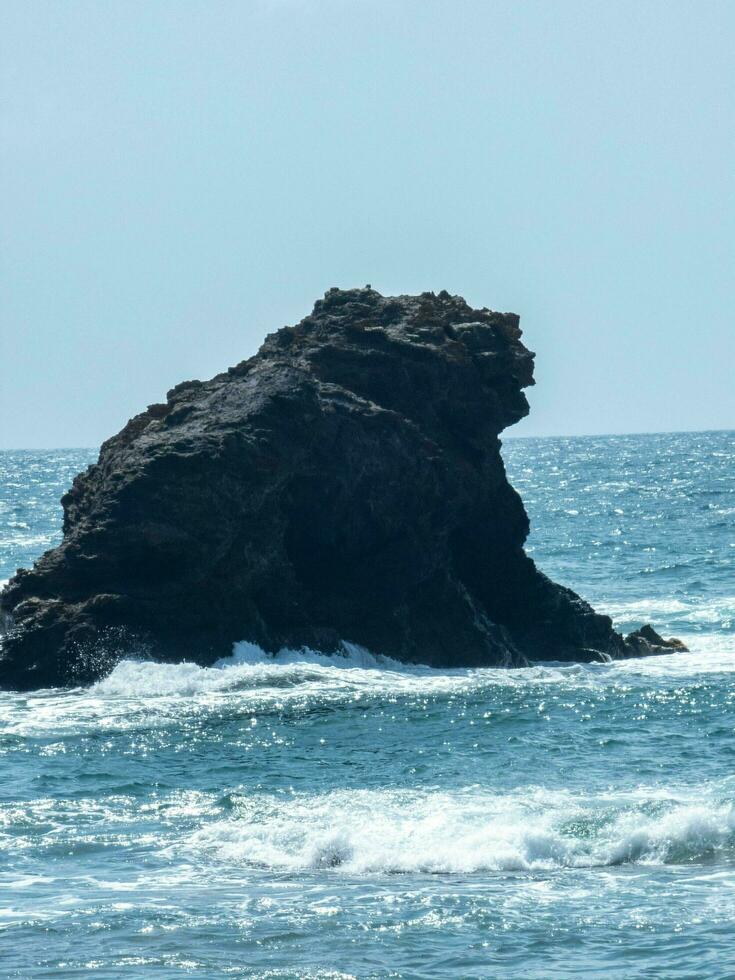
(646, 640)
(344, 484)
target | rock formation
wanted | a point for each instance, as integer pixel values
(344, 484)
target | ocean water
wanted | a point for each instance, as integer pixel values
(306, 817)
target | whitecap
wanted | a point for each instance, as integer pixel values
(393, 831)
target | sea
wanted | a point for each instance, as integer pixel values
(313, 817)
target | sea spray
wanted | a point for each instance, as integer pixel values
(469, 831)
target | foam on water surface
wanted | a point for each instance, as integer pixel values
(469, 832)
(252, 668)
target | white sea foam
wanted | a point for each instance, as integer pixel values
(141, 694)
(350, 656)
(365, 831)
(719, 611)
(250, 668)
(293, 673)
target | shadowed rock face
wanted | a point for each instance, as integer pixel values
(345, 483)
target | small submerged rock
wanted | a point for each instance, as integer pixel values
(345, 484)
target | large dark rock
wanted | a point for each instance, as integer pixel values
(345, 483)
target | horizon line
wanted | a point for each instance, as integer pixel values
(574, 435)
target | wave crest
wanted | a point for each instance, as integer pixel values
(361, 832)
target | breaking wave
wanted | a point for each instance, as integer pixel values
(249, 666)
(688, 614)
(252, 669)
(465, 832)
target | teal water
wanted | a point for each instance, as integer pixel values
(308, 818)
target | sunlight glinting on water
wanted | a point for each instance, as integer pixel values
(307, 809)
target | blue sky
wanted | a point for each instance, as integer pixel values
(179, 178)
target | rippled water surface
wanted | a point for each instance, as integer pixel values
(313, 818)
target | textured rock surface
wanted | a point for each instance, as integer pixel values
(345, 483)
